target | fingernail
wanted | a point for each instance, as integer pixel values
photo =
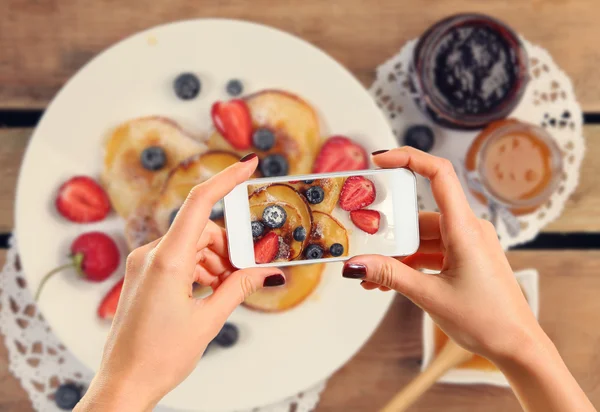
(379, 152)
(354, 271)
(274, 280)
(362, 282)
(249, 156)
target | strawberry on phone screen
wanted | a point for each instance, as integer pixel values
(265, 250)
(366, 220)
(357, 193)
(340, 154)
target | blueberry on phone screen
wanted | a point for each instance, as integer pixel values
(299, 234)
(315, 194)
(274, 216)
(258, 228)
(336, 250)
(314, 252)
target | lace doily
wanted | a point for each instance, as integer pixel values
(549, 101)
(38, 359)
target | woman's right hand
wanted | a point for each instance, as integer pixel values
(475, 299)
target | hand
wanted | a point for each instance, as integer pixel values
(160, 331)
(475, 299)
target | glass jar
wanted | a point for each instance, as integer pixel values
(468, 70)
(518, 165)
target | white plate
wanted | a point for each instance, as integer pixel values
(278, 355)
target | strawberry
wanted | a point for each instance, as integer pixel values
(366, 220)
(94, 256)
(357, 193)
(108, 306)
(266, 248)
(232, 120)
(340, 154)
(82, 200)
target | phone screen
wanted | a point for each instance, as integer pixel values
(332, 217)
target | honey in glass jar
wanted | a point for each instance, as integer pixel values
(518, 165)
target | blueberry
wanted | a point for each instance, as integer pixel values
(263, 139)
(258, 228)
(217, 210)
(315, 194)
(313, 252)
(187, 86)
(336, 249)
(308, 182)
(274, 165)
(234, 87)
(67, 395)
(153, 158)
(274, 216)
(227, 336)
(299, 234)
(173, 215)
(420, 137)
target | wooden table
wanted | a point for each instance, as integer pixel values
(42, 43)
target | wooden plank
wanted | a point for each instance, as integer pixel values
(569, 287)
(580, 214)
(582, 210)
(44, 43)
(12, 396)
(12, 148)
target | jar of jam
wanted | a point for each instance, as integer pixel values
(518, 165)
(468, 70)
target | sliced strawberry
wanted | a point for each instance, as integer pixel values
(357, 193)
(82, 200)
(108, 306)
(232, 120)
(266, 248)
(340, 154)
(366, 220)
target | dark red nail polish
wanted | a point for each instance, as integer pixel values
(354, 271)
(249, 156)
(274, 280)
(379, 152)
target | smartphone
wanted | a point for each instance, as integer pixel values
(294, 220)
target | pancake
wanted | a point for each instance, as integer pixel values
(125, 179)
(294, 123)
(300, 282)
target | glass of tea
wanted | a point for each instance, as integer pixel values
(519, 165)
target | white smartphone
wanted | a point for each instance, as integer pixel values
(295, 220)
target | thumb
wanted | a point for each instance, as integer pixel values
(390, 272)
(237, 287)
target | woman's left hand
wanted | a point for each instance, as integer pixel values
(160, 331)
